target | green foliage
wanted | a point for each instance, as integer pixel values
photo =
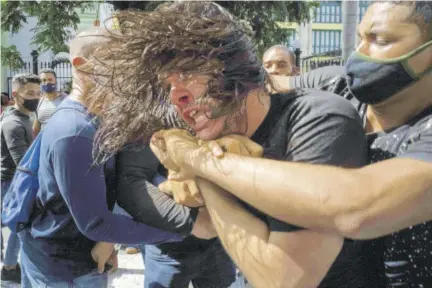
(11, 57)
(261, 16)
(12, 17)
(57, 20)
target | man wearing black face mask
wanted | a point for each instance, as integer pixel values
(390, 77)
(16, 137)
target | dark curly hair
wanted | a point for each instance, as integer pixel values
(181, 37)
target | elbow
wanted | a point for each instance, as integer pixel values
(91, 229)
(350, 226)
(351, 216)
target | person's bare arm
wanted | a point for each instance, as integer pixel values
(269, 259)
(36, 128)
(358, 203)
(281, 84)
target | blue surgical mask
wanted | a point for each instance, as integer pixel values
(48, 88)
(374, 80)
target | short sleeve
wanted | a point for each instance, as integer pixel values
(419, 144)
(329, 139)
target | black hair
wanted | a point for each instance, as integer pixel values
(48, 70)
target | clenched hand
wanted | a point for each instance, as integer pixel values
(179, 151)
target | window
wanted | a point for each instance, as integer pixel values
(291, 38)
(363, 5)
(329, 12)
(326, 40)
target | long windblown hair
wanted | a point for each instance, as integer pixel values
(180, 37)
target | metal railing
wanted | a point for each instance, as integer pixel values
(320, 60)
(61, 66)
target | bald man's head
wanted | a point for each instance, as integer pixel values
(85, 42)
(82, 50)
(279, 60)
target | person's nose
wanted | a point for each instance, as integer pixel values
(273, 70)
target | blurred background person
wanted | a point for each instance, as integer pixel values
(51, 99)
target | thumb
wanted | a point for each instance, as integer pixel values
(166, 187)
(101, 266)
(216, 149)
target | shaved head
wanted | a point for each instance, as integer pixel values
(279, 60)
(282, 49)
(82, 52)
(87, 41)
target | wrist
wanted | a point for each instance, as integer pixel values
(197, 161)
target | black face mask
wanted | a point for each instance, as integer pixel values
(374, 80)
(30, 105)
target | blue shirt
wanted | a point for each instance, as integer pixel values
(60, 240)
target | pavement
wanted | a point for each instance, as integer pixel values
(130, 273)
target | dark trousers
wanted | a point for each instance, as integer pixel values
(211, 268)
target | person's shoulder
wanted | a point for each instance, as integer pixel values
(318, 77)
(318, 103)
(328, 72)
(62, 96)
(417, 139)
(70, 121)
(12, 120)
(421, 128)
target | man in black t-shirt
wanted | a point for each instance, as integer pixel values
(304, 126)
(206, 62)
(389, 76)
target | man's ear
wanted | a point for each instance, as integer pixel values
(78, 61)
(14, 94)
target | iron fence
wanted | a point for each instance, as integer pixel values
(62, 67)
(320, 60)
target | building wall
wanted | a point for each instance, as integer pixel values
(324, 33)
(22, 40)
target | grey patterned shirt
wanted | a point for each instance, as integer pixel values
(47, 108)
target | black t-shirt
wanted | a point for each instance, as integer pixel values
(16, 137)
(407, 254)
(317, 127)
